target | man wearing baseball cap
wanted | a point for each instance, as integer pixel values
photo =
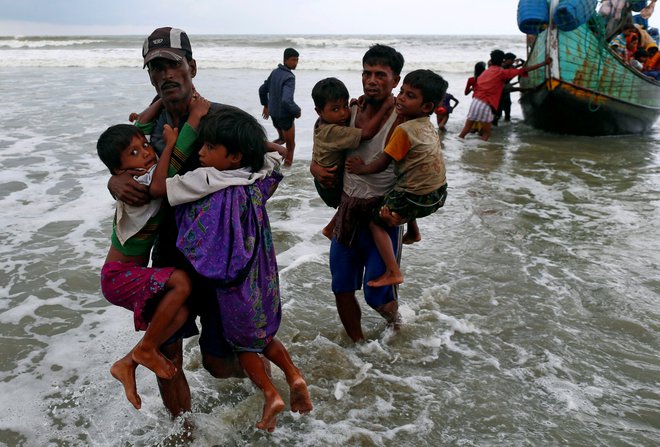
(167, 54)
(168, 43)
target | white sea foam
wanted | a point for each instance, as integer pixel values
(529, 306)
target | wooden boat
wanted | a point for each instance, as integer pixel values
(588, 89)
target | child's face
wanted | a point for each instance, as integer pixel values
(335, 111)
(138, 155)
(216, 156)
(410, 103)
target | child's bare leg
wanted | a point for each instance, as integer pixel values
(390, 311)
(330, 228)
(412, 234)
(290, 143)
(383, 243)
(280, 137)
(273, 403)
(124, 371)
(299, 395)
(442, 122)
(485, 131)
(466, 128)
(169, 316)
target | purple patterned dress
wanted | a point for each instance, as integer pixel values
(226, 236)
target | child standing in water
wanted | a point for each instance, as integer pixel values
(444, 109)
(224, 232)
(421, 185)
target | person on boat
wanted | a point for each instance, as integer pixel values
(489, 89)
(652, 65)
(639, 59)
(626, 43)
(645, 38)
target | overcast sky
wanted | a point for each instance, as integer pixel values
(81, 17)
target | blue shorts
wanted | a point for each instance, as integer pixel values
(351, 268)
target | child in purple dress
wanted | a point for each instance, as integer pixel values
(225, 234)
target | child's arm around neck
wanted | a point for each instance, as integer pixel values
(355, 165)
(199, 107)
(157, 188)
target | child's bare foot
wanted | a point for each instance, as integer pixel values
(411, 238)
(299, 397)
(390, 311)
(272, 407)
(155, 361)
(124, 371)
(389, 278)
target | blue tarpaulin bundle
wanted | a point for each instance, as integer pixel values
(533, 16)
(570, 14)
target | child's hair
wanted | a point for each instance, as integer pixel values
(496, 57)
(432, 85)
(383, 55)
(479, 68)
(640, 53)
(509, 57)
(238, 131)
(113, 141)
(290, 52)
(328, 89)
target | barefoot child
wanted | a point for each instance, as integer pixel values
(421, 185)
(332, 135)
(156, 296)
(444, 109)
(224, 232)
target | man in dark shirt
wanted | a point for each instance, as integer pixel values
(276, 95)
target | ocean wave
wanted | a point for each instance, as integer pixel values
(248, 64)
(30, 42)
(454, 54)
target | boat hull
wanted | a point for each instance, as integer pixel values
(562, 108)
(587, 90)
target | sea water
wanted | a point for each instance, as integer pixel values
(530, 307)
